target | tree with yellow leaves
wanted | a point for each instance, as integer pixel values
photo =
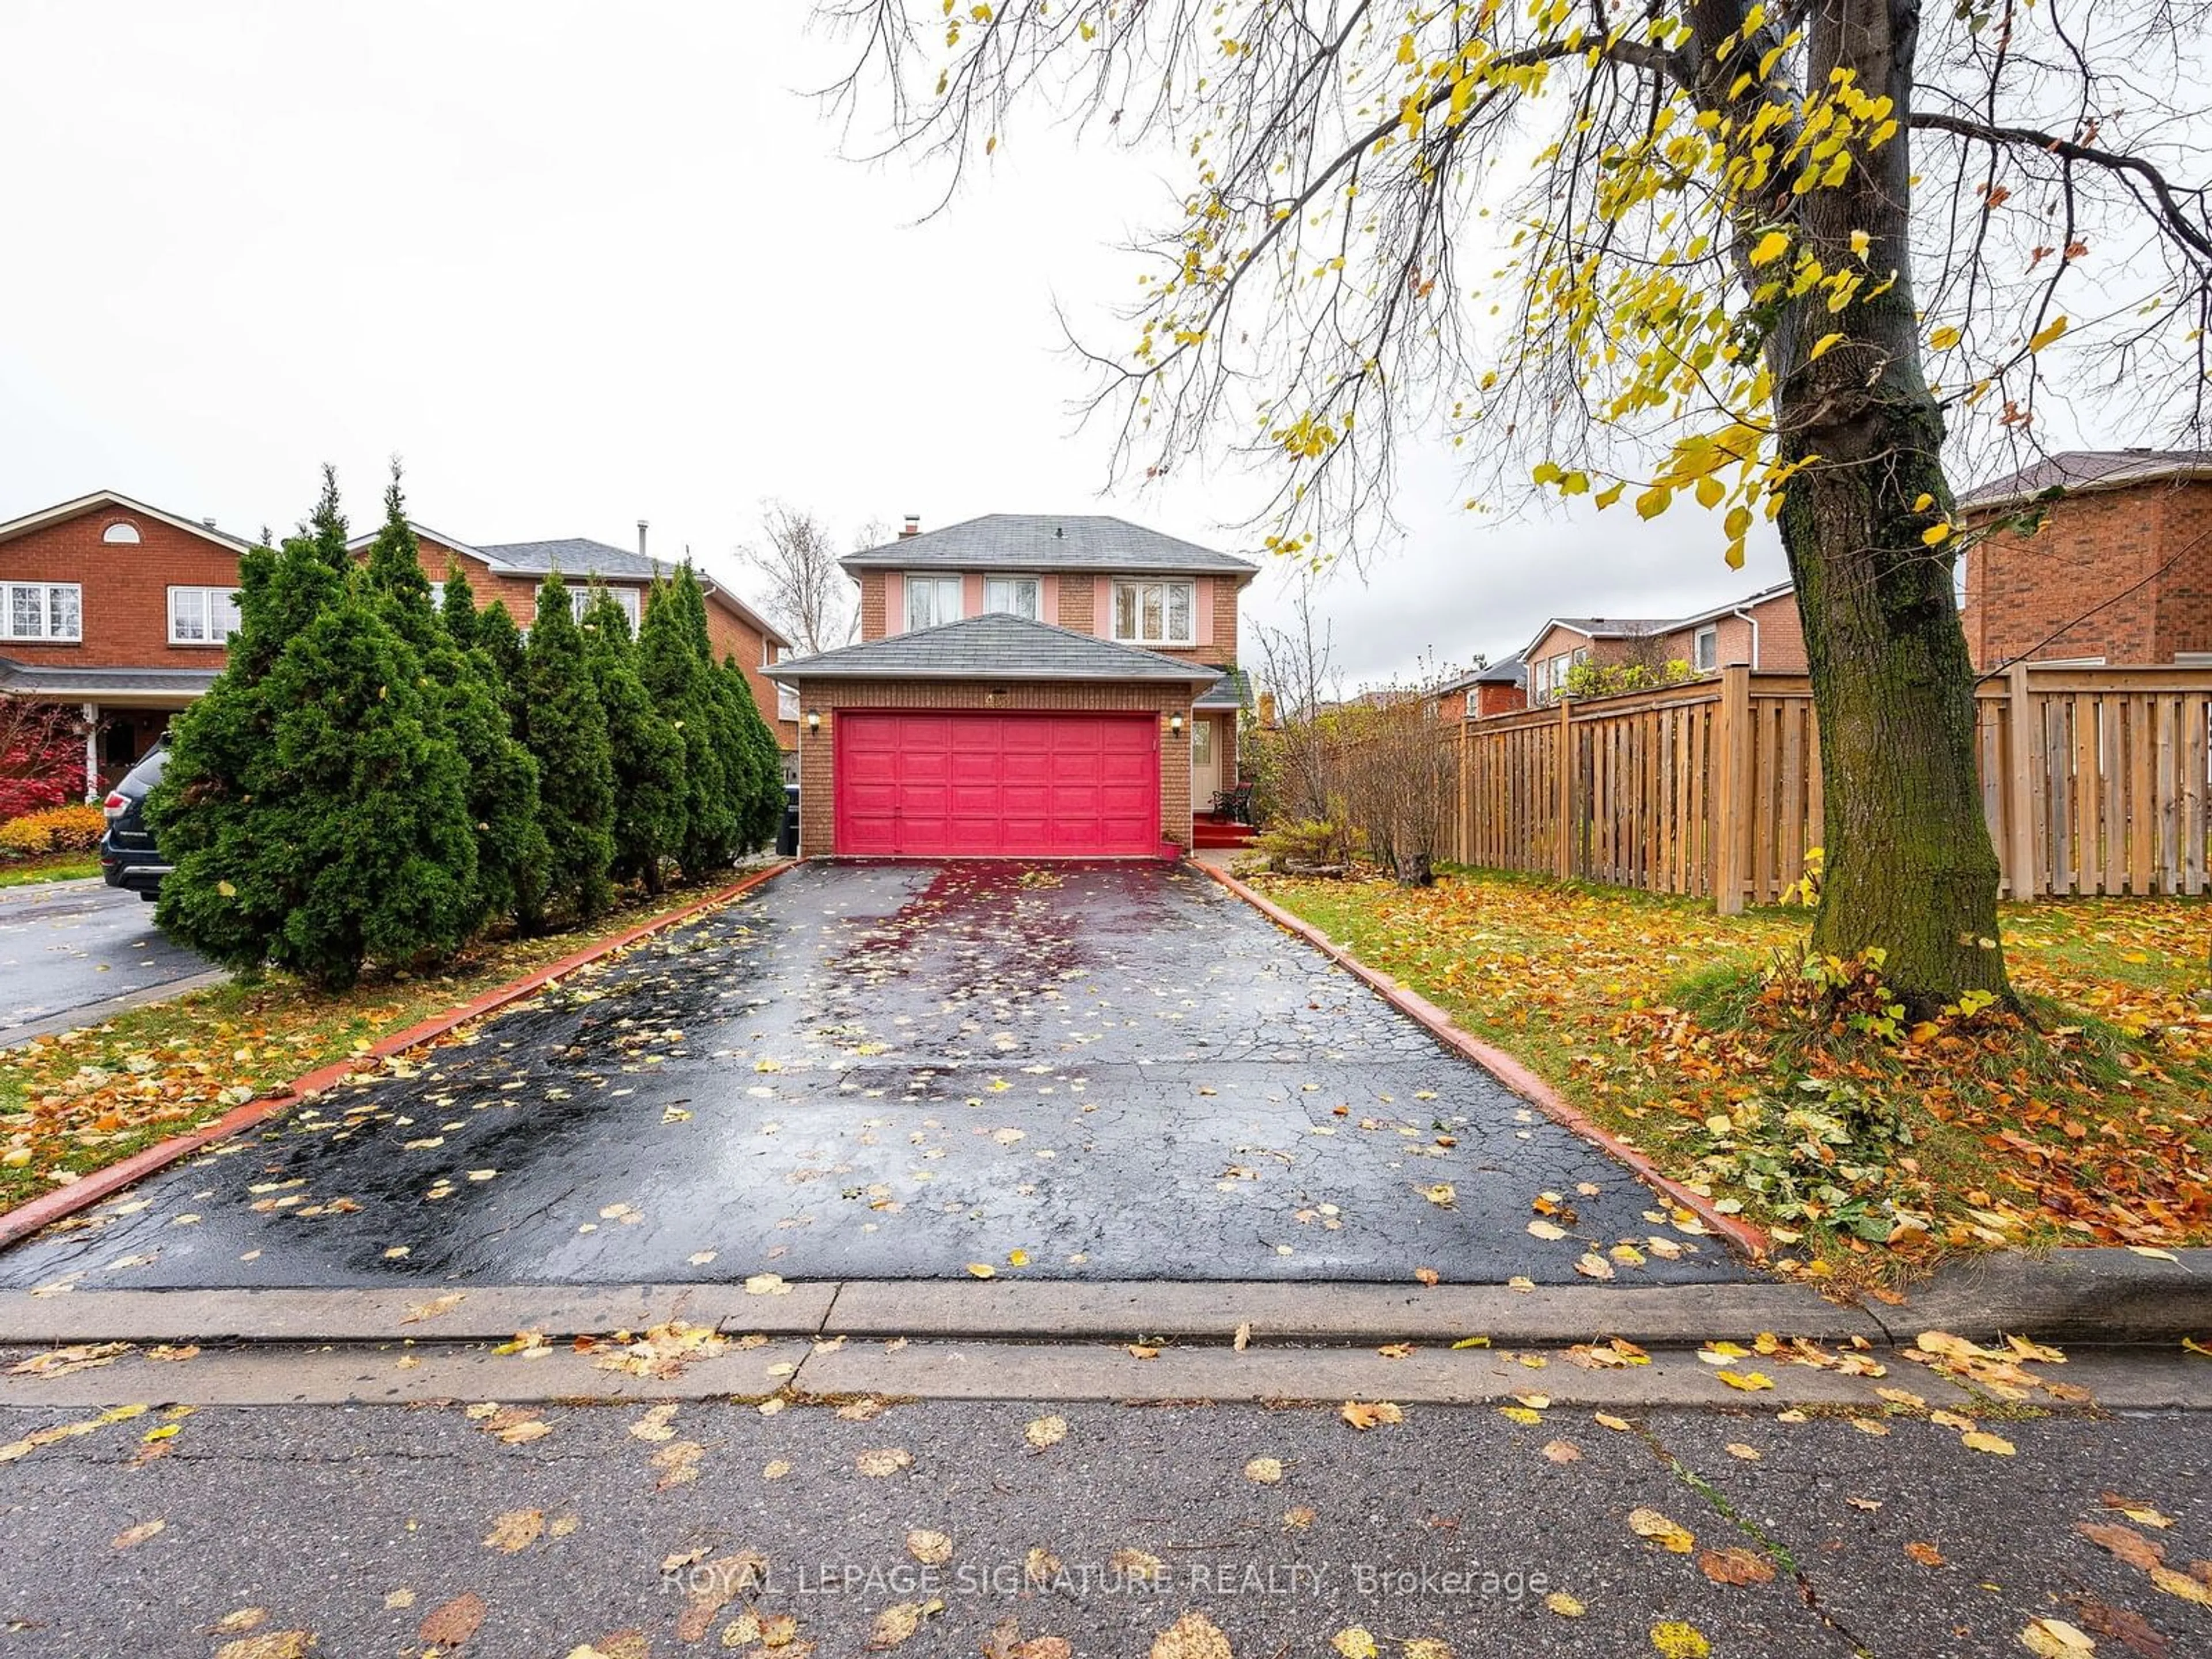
(1761, 257)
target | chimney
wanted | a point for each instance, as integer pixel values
(642, 524)
(913, 525)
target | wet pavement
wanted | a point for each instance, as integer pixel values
(1081, 1072)
(520, 1533)
(68, 949)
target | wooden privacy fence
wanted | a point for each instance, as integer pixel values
(2093, 780)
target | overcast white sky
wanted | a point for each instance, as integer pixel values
(580, 264)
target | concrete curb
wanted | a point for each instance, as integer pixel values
(1507, 1070)
(48, 1207)
(2101, 1295)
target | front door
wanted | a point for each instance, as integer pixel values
(1205, 762)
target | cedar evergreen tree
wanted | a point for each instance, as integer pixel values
(456, 606)
(511, 851)
(501, 642)
(316, 808)
(220, 811)
(648, 751)
(567, 731)
(1767, 256)
(677, 665)
(763, 813)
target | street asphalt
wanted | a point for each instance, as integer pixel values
(622, 1529)
(1105, 1073)
(69, 950)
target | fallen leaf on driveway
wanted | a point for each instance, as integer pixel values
(1356, 1642)
(900, 1620)
(452, 1623)
(1737, 1566)
(931, 1549)
(436, 1308)
(1367, 1414)
(244, 1619)
(888, 1460)
(1592, 1266)
(654, 1424)
(1564, 1605)
(767, 1284)
(1265, 1470)
(1142, 1351)
(2130, 1545)
(2141, 1514)
(1737, 1449)
(270, 1645)
(515, 1531)
(981, 1270)
(2182, 1585)
(60, 1362)
(1546, 1230)
(1044, 1432)
(1673, 1639)
(1669, 1535)
(2054, 1638)
(1193, 1636)
(1563, 1451)
(137, 1535)
(1981, 1440)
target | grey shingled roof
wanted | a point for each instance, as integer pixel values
(38, 679)
(1046, 541)
(1511, 672)
(576, 555)
(2090, 469)
(997, 646)
(1232, 690)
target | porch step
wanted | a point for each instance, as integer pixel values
(1218, 832)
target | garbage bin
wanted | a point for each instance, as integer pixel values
(787, 842)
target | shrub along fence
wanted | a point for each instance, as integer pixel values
(2093, 780)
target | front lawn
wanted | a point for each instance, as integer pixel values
(1857, 1138)
(82, 1100)
(54, 866)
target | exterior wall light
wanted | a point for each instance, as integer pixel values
(813, 720)
(1175, 723)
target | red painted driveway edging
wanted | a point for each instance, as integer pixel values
(49, 1207)
(1508, 1071)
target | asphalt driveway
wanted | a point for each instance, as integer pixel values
(892, 1071)
(71, 950)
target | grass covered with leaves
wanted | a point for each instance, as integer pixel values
(82, 1100)
(53, 867)
(1794, 1090)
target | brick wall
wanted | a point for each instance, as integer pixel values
(818, 749)
(124, 589)
(872, 622)
(2184, 590)
(1493, 699)
(2025, 593)
(1078, 604)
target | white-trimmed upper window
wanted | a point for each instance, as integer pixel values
(1155, 613)
(579, 601)
(202, 616)
(41, 610)
(121, 533)
(1705, 648)
(1017, 596)
(931, 600)
(786, 702)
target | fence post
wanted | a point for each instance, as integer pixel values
(2026, 759)
(1565, 805)
(1465, 776)
(1732, 788)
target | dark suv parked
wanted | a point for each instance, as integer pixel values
(128, 857)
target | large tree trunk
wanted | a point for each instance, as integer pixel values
(1909, 869)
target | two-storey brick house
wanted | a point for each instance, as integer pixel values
(2092, 556)
(1024, 685)
(1761, 629)
(123, 611)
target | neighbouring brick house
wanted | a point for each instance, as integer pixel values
(1761, 629)
(1499, 688)
(123, 611)
(1024, 685)
(511, 572)
(2115, 567)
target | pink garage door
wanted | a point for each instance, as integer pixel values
(988, 785)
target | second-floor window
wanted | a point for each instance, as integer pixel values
(579, 601)
(1705, 649)
(786, 702)
(931, 600)
(202, 616)
(41, 610)
(1155, 613)
(1015, 595)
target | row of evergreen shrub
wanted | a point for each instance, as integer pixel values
(383, 772)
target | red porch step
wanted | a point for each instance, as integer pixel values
(1207, 830)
